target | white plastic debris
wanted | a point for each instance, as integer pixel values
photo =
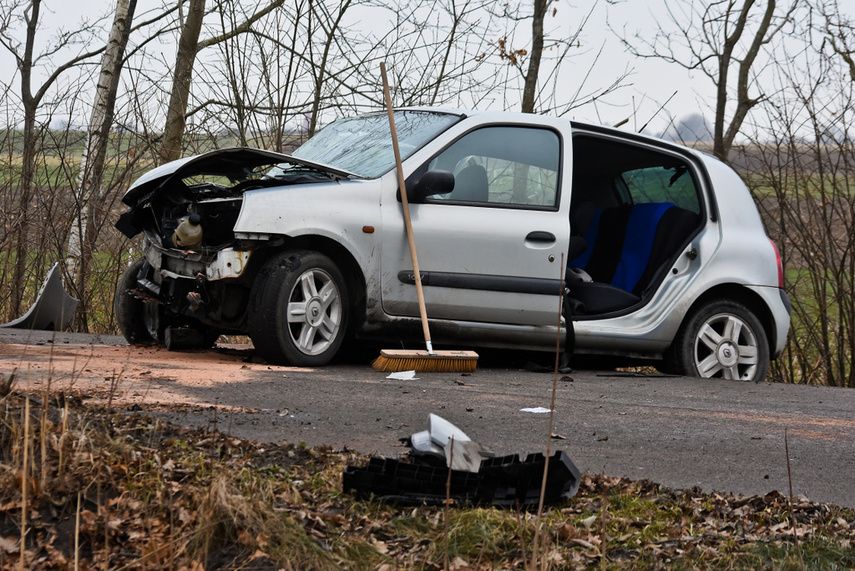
(536, 410)
(463, 455)
(403, 376)
(437, 441)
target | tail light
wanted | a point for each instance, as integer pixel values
(780, 265)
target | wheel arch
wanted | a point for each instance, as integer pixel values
(741, 294)
(341, 256)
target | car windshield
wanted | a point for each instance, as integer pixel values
(363, 145)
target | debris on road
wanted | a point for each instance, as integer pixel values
(432, 446)
(447, 464)
(502, 481)
(53, 307)
(404, 376)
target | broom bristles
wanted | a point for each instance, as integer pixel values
(396, 360)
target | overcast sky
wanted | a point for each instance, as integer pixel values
(650, 84)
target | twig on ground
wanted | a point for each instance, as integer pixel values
(604, 510)
(535, 544)
(448, 500)
(790, 499)
(77, 535)
(25, 482)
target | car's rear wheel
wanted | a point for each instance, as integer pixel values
(135, 318)
(722, 339)
(299, 309)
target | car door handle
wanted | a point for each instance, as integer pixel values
(540, 236)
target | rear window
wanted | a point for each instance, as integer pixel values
(662, 184)
(608, 173)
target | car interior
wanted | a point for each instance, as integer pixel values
(633, 210)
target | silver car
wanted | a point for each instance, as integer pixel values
(658, 249)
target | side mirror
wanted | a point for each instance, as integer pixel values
(431, 183)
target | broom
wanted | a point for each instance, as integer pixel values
(393, 360)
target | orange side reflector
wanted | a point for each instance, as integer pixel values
(368, 229)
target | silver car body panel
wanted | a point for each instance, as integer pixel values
(339, 211)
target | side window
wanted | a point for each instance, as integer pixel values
(672, 184)
(515, 166)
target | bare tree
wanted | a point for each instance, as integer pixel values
(840, 34)
(185, 59)
(26, 60)
(432, 49)
(189, 47)
(251, 79)
(330, 69)
(800, 164)
(92, 162)
(280, 97)
(721, 39)
(329, 25)
(244, 90)
(539, 93)
(525, 60)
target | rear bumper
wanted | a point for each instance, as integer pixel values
(780, 308)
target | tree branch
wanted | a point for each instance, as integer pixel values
(244, 27)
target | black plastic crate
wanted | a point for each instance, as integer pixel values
(503, 481)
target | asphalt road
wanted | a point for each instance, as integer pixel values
(681, 432)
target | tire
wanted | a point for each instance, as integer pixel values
(299, 309)
(721, 339)
(135, 318)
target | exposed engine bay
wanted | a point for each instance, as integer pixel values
(194, 273)
(205, 193)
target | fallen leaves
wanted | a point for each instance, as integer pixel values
(9, 544)
(155, 496)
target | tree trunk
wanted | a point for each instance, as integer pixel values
(80, 236)
(744, 102)
(188, 47)
(28, 159)
(530, 89)
(176, 114)
(20, 227)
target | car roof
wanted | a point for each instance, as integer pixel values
(574, 124)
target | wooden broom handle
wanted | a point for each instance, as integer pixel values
(407, 221)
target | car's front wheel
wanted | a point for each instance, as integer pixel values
(299, 309)
(147, 322)
(136, 319)
(721, 339)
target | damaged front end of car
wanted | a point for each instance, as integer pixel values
(193, 282)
